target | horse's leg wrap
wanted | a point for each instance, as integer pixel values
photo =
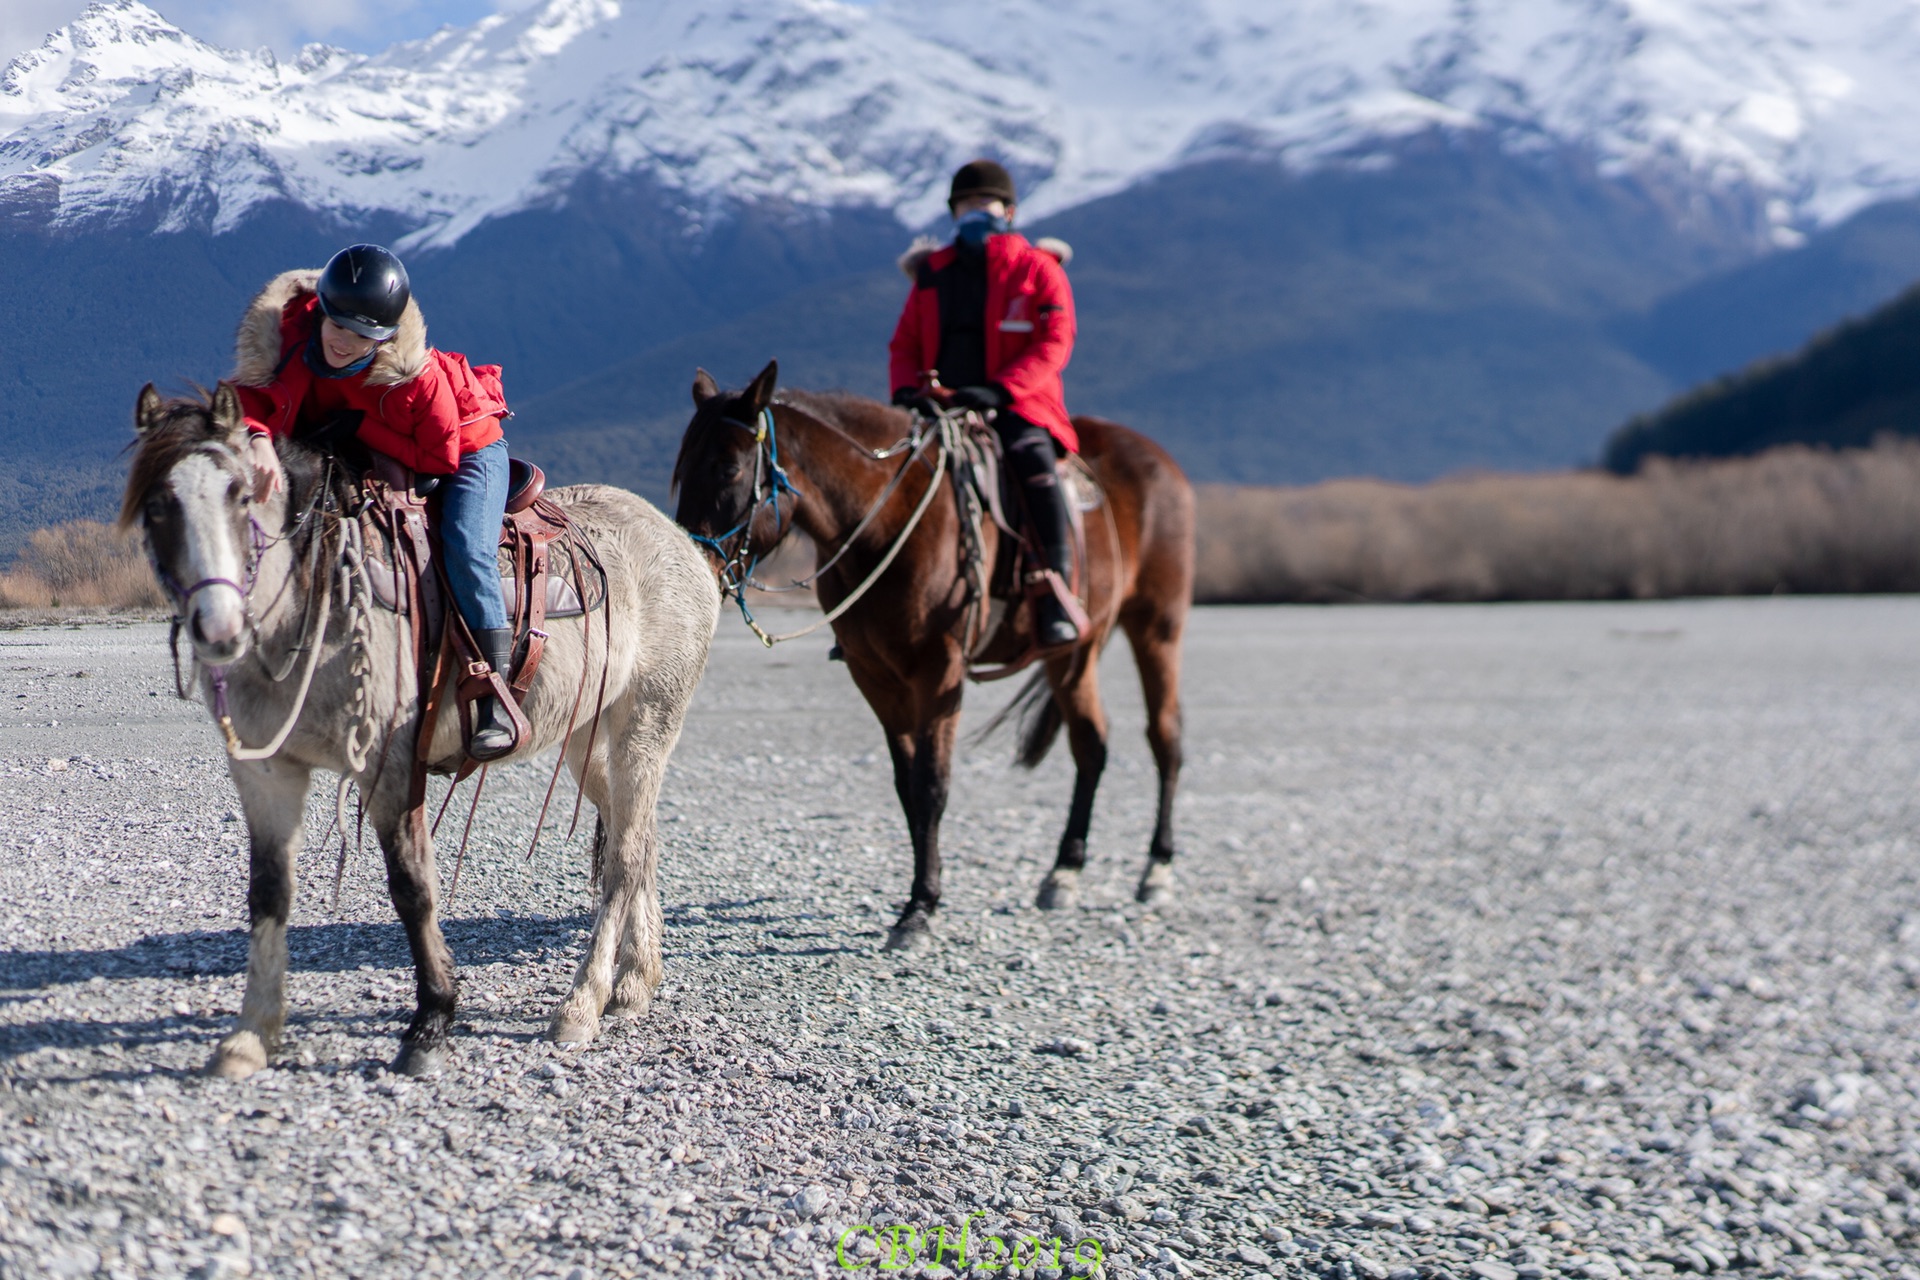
(274, 796)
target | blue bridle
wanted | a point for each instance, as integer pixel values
(738, 562)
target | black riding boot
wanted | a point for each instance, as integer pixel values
(492, 731)
(1029, 454)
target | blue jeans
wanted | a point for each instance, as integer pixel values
(473, 502)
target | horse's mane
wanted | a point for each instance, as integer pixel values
(186, 423)
(843, 410)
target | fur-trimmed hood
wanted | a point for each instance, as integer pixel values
(257, 348)
(924, 247)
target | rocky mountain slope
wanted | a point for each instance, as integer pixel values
(1401, 237)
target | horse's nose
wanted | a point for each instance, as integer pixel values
(217, 626)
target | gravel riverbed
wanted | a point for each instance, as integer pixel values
(1511, 942)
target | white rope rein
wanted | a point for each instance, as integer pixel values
(926, 500)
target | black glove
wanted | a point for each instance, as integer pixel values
(986, 396)
(918, 401)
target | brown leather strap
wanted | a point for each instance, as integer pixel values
(600, 699)
(579, 690)
(429, 717)
(537, 559)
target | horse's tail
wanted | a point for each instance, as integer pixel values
(1039, 720)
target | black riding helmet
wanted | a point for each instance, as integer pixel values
(364, 289)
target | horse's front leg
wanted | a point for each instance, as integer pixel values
(927, 776)
(273, 795)
(413, 885)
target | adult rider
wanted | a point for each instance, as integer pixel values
(989, 325)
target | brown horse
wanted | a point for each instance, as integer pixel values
(848, 473)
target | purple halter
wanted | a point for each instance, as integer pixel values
(256, 547)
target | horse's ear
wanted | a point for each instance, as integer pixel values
(148, 411)
(704, 387)
(228, 417)
(760, 390)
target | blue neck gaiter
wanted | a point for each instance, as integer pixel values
(972, 228)
(317, 360)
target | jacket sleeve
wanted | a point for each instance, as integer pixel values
(257, 407)
(1039, 363)
(419, 423)
(904, 367)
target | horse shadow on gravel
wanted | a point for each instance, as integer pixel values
(313, 948)
(746, 928)
(340, 948)
(322, 948)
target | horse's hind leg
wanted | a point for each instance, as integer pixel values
(274, 797)
(413, 886)
(641, 967)
(1076, 696)
(1155, 637)
(624, 784)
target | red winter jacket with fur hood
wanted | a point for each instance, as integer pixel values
(1030, 326)
(422, 407)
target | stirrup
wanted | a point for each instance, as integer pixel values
(1052, 627)
(1052, 590)
(500, 725)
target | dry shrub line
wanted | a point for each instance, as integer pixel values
(81, 564)
(1794, 519)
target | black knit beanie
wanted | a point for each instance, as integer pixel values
(981, 178)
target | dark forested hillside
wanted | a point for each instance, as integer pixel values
(1451, 311)
(1460, 308)
(1847, 386)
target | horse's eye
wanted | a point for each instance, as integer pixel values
(233, 491)
(154, 509)
(730, 473)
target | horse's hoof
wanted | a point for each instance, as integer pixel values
(633, 988)
(240, 1055)
(911, 930)
(422, 1059)
(1060, 889)
(569, 1028)
(628, 1006)
(1156, 884)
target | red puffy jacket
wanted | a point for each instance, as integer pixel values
(422, 407)
(1030, 329)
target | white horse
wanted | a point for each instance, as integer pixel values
(270, 595)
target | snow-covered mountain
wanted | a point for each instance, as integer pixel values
(1802, 107)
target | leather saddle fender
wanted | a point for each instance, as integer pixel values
(534, 524)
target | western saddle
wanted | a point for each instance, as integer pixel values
(549, 569)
